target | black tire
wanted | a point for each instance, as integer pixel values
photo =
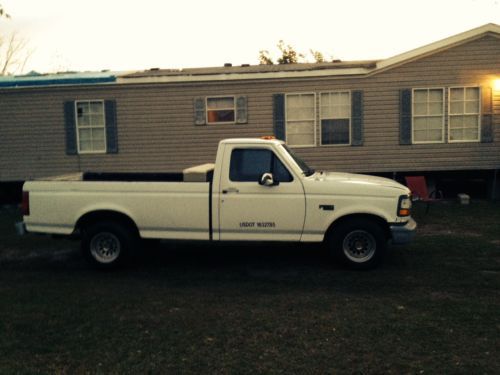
(108, 244)
(358, 243)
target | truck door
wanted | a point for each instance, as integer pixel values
(251, 210)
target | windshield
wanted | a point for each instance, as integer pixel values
(301, 163)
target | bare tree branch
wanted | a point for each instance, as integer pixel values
(14, 54)
(3, 13)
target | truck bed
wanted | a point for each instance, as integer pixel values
(160, 209)
(132, 177)
(199, 173)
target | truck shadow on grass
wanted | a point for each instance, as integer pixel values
(256, 259)
(42, 251)
(455, 251)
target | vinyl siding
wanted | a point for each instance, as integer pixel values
(156, 129)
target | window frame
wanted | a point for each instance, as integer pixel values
(321, 118)
(443, 115)
(313, 119)
(78, 127)
(478, 114)
(220, 109)
(274, 156)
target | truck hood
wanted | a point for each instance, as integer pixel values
(351, 183)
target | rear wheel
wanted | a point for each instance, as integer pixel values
(108, 244)
(358, 243)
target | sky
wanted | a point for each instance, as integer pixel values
(94, 35)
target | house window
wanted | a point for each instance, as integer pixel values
(464, 112)
(300, 115)
(428, 115)
(90, 126)
(220, 110)
(335, 116)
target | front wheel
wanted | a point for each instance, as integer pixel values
(107, 244)
(358, 243)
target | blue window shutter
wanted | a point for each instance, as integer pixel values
(357, 118)
(486, 115)
(199, 111)
(241, 110)
(279, 116)
(487, 128)
(405, 117)
(70, 127)
(111, 128)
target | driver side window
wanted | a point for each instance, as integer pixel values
(248, 165)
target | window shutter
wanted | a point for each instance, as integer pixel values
(241, 110)
(405, 117)
(279, 116)
(70, 127)
(486, 115)
(199, 111)
(357, 118)
(111, 128)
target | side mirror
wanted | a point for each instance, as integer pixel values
(267, 180)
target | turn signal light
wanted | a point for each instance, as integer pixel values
(404, 212)
(404, 205)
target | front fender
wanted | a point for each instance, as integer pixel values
(319, 220)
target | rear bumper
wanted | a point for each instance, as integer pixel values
(402, 234)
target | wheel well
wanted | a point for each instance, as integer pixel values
(105, 215)
(377, 219)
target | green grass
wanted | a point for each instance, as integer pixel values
(432, 307)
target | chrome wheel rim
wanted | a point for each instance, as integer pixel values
(105, 247)
(359, 246)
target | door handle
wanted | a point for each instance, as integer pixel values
(230, 190)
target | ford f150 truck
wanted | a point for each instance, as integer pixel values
(257, 190)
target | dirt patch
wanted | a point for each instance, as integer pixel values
(440, 231)
(43, 254)
(439, 296)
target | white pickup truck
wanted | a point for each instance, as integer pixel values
(257, 190)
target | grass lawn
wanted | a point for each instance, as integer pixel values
(432, 307)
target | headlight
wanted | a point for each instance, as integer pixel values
(404, 205)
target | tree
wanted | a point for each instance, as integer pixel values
(14, 52)
(265, 58)
(289, 55)
(318, 56)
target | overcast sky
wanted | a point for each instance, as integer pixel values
(124, 35)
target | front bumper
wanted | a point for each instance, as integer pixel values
(20, 228)
(402, 234)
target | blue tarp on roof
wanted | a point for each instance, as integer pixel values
(69, 78)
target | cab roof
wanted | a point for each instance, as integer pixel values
(251, 140)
